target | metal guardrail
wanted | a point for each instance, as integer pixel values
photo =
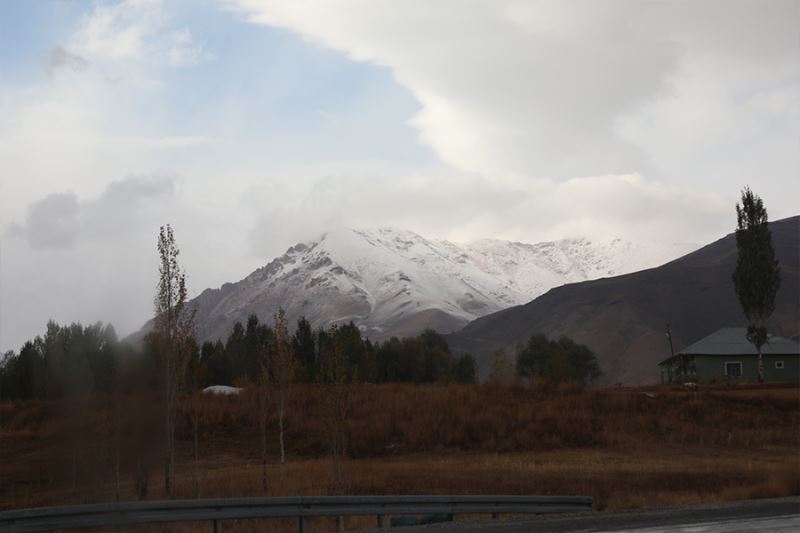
(124, 514)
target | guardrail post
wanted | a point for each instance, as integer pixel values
(217, 526)
(381, 521)
(301, 524)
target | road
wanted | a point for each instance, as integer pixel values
(780, 515)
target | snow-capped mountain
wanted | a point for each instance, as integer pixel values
(396, 282)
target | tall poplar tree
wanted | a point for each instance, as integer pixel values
(283, 366)
(758, 275)
(173, 335)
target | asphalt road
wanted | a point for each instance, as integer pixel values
(773, 515)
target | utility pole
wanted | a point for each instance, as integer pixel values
(672, 355)
(669, 336)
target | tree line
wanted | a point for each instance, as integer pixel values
(66, 361)
(74, 358)
(424, 358)
(71, 359)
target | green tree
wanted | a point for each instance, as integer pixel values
(390, 361)
(581, 360)
(561, 360)
(464, 369)
(304, 344)
(360, 366)
(437, 362)
(235, 350)
(533, 359)
(758, 275)
(22, 375)
(217, 364)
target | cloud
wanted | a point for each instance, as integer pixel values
(465, 207)
(88, 258)
(135, 188)
(59, 220)
(135, 31)
(51, 223)
(57, 57)
(561, 89)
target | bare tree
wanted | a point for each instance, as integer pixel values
(263, 397)
(196, 450)
(117, 440)
(282, 372)
(335, 372)
(174, 336)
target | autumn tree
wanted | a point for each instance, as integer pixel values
(264, 362)
(501, 372)
(758, 275)
(174, 339)
(283, 366)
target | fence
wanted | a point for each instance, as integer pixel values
(124, 514)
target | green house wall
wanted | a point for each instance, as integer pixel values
(711, 367)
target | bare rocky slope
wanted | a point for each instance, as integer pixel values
(623, 319)
(396, 282)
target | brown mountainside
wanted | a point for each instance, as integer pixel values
(623, 318)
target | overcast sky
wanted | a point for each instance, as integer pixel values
(251, 125)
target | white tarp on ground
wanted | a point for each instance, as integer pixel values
(222, 389)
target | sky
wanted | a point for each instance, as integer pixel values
(251, 125)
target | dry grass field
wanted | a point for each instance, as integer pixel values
(628, 448)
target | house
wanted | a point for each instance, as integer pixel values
(726, 354)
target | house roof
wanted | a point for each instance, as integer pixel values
(733, 341)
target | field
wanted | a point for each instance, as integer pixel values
(628, 448)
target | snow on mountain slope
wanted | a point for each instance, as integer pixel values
(396, 282)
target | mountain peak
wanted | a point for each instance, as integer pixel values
(393, 281)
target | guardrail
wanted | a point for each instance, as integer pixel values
(124, 514)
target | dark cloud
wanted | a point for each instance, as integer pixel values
(52, 222)
(57, 221)
(57, 57)
(137, 187)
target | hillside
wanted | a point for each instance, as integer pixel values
(623, 319)
(396, 282)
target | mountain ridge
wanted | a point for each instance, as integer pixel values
(623, 319)
(396, 282)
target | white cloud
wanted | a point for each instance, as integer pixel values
(134, 31)
(560, 89)
(98, 115)
(464, 207)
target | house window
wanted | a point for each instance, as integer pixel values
(733, 369)
(778, 365)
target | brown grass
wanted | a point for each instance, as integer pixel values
(628, 448)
